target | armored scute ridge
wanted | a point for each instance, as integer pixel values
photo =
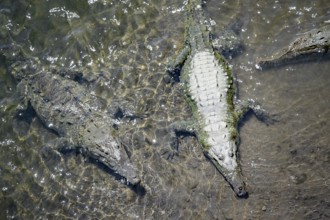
(210, 91)
(209, 86)
(65, 104)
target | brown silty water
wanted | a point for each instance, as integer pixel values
(285, 165)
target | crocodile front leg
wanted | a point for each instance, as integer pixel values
(228, 44)
(124, 111)
(242, 108)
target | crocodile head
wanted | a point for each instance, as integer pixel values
(228, 166)
(238, 185)
(97, 141)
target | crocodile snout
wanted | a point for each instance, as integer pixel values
(241, 191)
(135, 181)
(238, 186)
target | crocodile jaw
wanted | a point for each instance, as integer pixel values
(232, 176)
(97, 141)
(208, 87)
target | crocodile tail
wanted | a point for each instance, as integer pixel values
(196, 28)
(193, 11)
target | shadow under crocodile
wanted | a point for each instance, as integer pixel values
(23, 118)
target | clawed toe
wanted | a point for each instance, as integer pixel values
(168, 154)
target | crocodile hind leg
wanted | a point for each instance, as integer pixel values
(63, 144)
(177, 130)
(174, 67)
(52, 151)
(125, 110)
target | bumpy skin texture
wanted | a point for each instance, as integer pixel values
(310, 45)
(65, 105)
(210, 91)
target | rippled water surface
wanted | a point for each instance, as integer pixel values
(285, 165)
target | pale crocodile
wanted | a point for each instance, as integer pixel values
(310, 45)
(210, 90)
(82, 121)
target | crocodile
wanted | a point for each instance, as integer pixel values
(309, 46)
(210, 90)
(81, 120)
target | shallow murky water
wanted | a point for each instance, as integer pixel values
(285, 165)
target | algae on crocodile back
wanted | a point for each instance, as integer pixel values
(192, 6)
(231, 95)
(199, 123)
(209, 90)
(233, 117)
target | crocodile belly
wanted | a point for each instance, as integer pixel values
(208, 87)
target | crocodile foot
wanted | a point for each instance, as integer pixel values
(251, 105)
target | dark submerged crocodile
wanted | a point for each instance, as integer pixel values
(210, 90)
(309, 46)
(82, 121)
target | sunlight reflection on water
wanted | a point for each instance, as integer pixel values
(128, 44)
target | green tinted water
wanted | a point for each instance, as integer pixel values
(285, 165)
